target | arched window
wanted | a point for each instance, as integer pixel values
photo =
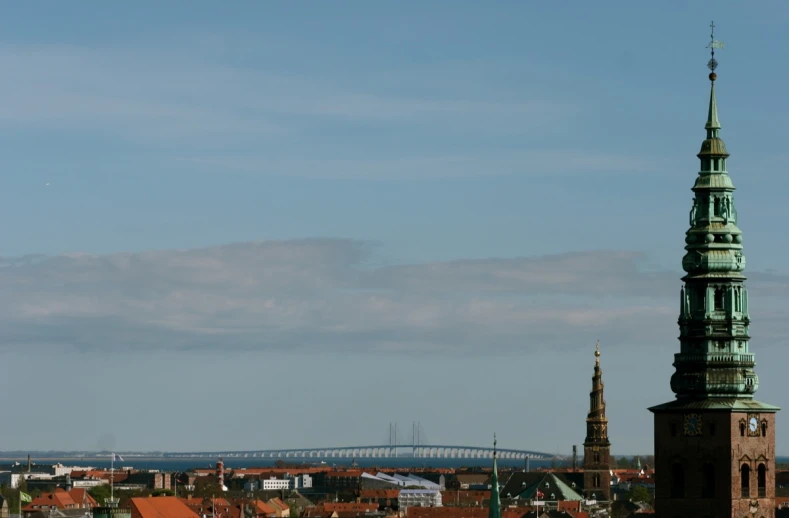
(742, 428)
(719, 299)
(673, 429)
(717, 207)
(596, 457)
(596, 480)
(761, 479)
(708, 481)
(764, 428)
(745, 481)
(677, 480)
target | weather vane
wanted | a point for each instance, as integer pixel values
(714, 44)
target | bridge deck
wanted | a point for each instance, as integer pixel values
(439, 451)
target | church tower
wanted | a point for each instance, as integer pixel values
(597, 448)
(714, 444)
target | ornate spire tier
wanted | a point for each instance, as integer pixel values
(596, 421)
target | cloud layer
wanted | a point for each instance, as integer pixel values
(327, 294)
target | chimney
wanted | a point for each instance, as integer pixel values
(575, 457)
(29, 464)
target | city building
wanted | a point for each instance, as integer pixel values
(418, 498)
(343, 479)
(597, 448)
(714, 443)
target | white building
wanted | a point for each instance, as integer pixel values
(419, 498)
(303, 481)
(275, 483)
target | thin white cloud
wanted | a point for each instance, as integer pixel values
(218, 118)
(325, 295)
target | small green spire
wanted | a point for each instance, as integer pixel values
(495, 503)
(712, 116)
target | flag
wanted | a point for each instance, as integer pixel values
(24, 497)
(117, 457)
(540, 494)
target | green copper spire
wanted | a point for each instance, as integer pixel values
(712, 118)
(714, 358)
(495, 504)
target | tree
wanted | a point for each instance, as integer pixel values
(639, 494)
(623, 463)
(100, 493)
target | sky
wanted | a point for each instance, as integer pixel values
(272, 225)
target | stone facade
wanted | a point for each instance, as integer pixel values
(703, 473)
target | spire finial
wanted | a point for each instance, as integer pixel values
(597, 353)
(712, 116)
(714, 44)
(494, 444)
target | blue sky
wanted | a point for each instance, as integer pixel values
(367, 197)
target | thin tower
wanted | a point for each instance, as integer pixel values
(597, 448)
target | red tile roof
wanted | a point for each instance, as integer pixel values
(349, 473)
(379, 493)
(357, 507)
(61, 499)
(160, 507)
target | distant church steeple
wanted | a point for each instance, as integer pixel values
(495, 502)
(597, 448)
(714, 444)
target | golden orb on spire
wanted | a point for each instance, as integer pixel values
(597, 353)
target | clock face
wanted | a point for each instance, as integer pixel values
(692, 424)
(753, 424)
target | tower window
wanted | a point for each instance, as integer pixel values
(745, 481)
(596, 457)
(596, 480)
(712, 429)
(761, 478)
(717, 207)
(742, 428)
(673, 429)
(764, 428)
(708, 481)
(719, 299)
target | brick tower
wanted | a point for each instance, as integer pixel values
(597, 448)
(714, 444)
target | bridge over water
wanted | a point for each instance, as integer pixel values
(421, 451)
